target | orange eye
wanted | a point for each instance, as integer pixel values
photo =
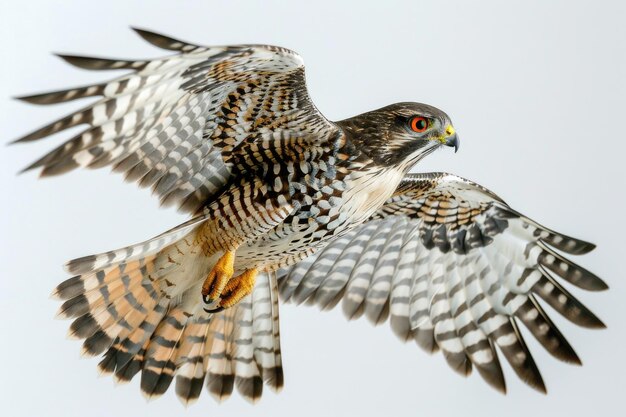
(419, 124)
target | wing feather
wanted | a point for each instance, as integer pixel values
(172, 123)
(92, 63)
(165, 42)
(458, 270)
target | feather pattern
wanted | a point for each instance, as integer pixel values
(459, 270)
(140, 307)
(229, 134)
(172, 123)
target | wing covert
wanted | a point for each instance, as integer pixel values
(455, 269)
(173, 122)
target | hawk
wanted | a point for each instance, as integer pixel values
(283, 201)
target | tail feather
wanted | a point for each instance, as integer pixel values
(124, 358)
(98, 263)
(159, 363)
(95, 289)
(134, 317)
(140, 306)
(131, 368)
(266, 333)
(248, 377)
(221, 373)
(106, 322)
(191, 373)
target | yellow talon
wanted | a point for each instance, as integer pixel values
(238, 287)
(219, 276)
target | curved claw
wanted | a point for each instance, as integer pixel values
(210, 305)
(213, 310)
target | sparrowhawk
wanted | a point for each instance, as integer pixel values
(284, 201)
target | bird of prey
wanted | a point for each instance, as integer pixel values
(284, 201)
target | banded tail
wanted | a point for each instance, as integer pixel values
(140, 306)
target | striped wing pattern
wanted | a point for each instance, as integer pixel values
(172, 123)
(455, 269)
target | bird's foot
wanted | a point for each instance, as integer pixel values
(217, 279)
(236, 289)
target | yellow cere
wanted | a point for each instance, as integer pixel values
(449, 132)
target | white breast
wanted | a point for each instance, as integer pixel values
(368, 190)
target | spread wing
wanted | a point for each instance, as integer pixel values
(456, 269)
(172, 123)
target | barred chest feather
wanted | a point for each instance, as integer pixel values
(309, 229)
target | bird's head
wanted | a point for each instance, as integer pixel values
(402, 133)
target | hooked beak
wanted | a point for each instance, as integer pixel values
(452, 139)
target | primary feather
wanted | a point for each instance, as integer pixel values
(459, 269)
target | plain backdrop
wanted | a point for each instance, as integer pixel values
(536, 90)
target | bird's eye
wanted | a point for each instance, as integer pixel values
(419, 124)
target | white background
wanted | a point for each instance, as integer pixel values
(536, 90)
